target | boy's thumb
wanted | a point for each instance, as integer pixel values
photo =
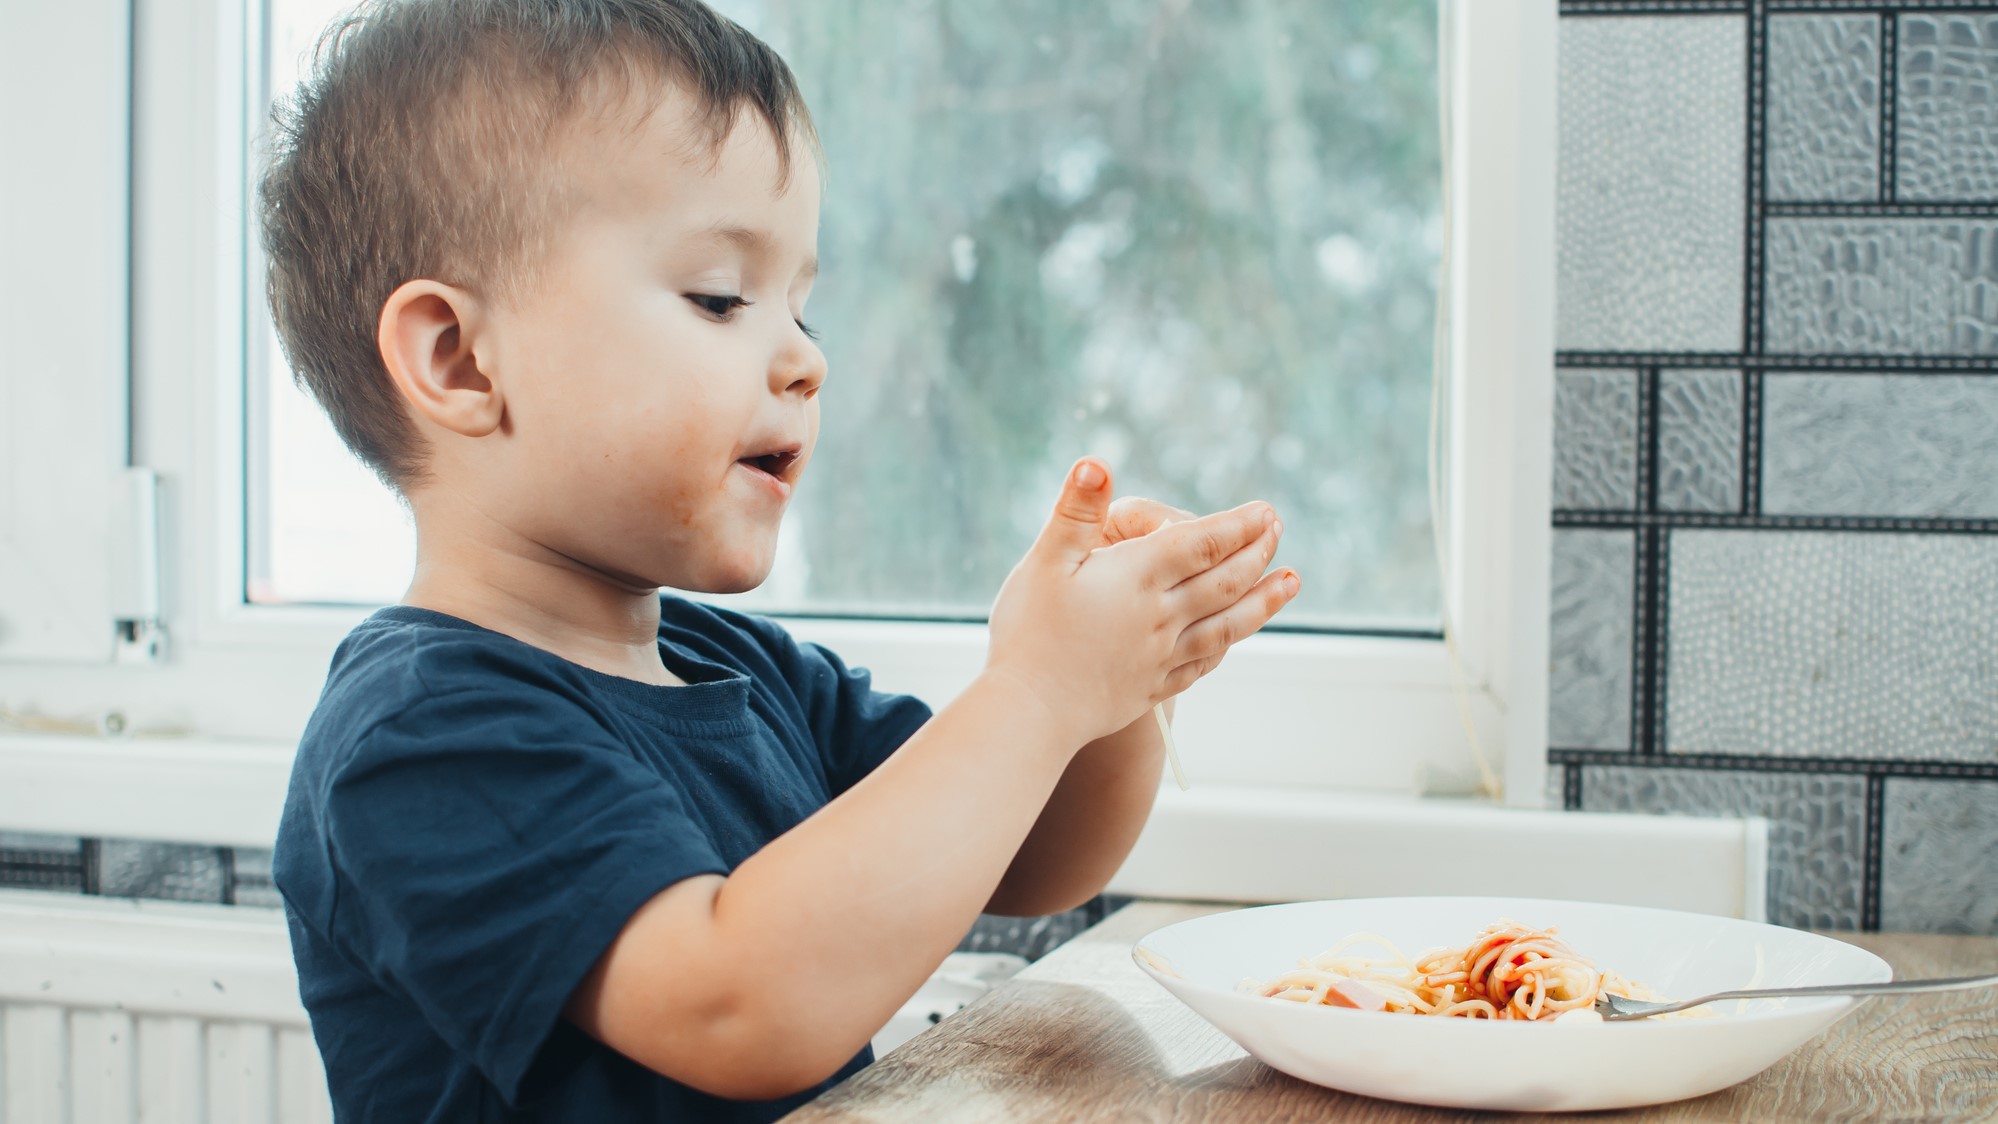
(1076, 527)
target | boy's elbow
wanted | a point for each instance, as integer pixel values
(766, 1076)
(1020, 894)
(759, 1051)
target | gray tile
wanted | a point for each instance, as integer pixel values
(1946, 127)
(1824, 107)
(1939, 857)
(251, 878)
(1880, 445)
(1882, 286)
(1649, 231)
(258, 895)
(1817, 828)
(1031, 937)
(1699, 441)
(1555, 791)
(33, 861)
(1804, 644)
(132, 869)
(1589, 636)
(1595, 440)
(39, 841)
(252, 862)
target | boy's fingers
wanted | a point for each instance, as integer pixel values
(1076, 527)
(1213, 590)
(1134, 517)
(1186, 549)
(1211, 636)
(1187, 674)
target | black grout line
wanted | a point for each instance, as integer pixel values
(1869, 893)
(93, 866)
(1644, 634)
(1648, 419)
(1640, 640)
(1650, 541)
(227, 857)
(1751, 443)
(1754, 172)
(1749, 763)
(1661, 637)
(1722, 521)
(1648, 7)
(1812, 364)
(1746, 454)
(1870, 210)
(1571, 788)
(1644, 605)
(1890, 79)
(1728, 7)
(1877, 6)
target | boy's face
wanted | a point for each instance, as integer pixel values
(661, 395)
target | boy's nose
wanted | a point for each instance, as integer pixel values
(799, 369)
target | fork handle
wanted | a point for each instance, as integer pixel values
(1890, 987)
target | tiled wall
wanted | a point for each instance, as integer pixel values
(132, 869)
(1775, 574)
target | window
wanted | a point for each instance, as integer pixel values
(1197, 243)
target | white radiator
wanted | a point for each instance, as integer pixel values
(150, 1013)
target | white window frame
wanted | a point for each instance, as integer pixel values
(1293, 710)
(64, 256)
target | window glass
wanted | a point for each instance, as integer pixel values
(320, 527)
(1198, 239)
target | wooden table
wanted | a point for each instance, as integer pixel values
(1084, 1036)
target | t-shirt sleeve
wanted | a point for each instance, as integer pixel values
(856, 727)
(491, 843)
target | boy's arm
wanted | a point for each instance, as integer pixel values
(767, 981)
(1089, 825)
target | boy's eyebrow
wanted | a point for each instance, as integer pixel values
(753, 242)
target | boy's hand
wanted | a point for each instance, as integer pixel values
(1097, 623)
(1133, 517)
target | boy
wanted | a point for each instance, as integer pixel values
(556, 847)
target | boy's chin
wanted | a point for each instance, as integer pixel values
(725, 579)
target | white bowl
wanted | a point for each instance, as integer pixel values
(1537, 1067)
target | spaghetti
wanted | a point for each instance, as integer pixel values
(1509, 971)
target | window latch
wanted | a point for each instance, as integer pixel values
(139, 630)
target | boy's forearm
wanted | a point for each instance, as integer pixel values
(843, 917)
(1089, 824)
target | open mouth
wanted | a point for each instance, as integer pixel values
(778, 464)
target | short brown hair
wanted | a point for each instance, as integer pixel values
(412, 150)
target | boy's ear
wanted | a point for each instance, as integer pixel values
(425, 337)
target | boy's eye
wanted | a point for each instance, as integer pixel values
(716, 305)
(807, 329)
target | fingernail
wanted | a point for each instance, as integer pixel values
(1276, 528)
(1269, 516)
(1088, 476)
(1290, 582)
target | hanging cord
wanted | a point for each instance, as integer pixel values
(1439, 381)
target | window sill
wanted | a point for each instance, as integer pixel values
(1260, 844)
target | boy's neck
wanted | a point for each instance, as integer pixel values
(498, 580)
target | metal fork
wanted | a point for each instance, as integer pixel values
(1615, 1008)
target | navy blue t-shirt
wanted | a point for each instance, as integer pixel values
(472, 820)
